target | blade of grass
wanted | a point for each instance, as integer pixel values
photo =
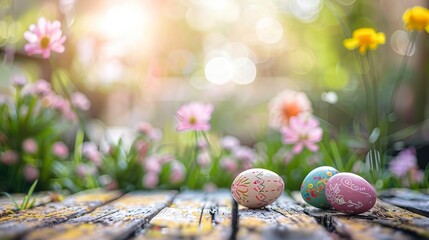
(78, 147)
(11, 198)
(337, 155)
(33, 201)
(328, 157)
(24, 204)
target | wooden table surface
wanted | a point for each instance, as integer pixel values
(401, 214)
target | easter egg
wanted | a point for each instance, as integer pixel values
(313, 186)
(257, 187)
(350, 193)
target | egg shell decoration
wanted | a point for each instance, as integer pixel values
(313, 186)
(350, 193)
(257, 187)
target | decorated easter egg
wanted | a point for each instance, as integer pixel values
(350, 193)
(313, 186)
(257, 187)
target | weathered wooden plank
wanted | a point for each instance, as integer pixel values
(186, 217)
(7, 206)
(19, 223)
(116, 220)
(411, 200)
(209, 216)
(283, 218)
(381, 222)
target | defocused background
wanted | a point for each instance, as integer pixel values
(140, 60)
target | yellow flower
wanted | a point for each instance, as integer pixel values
(364, 38)
(416, 18)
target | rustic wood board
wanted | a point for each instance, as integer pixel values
(209, 216)
(413, 201)
(19, 223)
(187, 216)
(116, 220)
(283, 218)
(383, 221)
(7, 206)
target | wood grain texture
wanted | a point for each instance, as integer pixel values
(282, 219)
(19, 223)
(7, 206)
(116, 220)
(383, 221)
(411, 200)
(187, 216)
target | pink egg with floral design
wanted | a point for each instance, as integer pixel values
(350, 193)
(257, 188)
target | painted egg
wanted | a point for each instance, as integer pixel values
(257, 187)
(313, 186)
(350, 193)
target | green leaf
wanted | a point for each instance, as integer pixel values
(78, 147)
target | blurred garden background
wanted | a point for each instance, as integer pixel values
(107, 111)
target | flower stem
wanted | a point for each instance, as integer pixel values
(374, 89)
(366, 86)
(404, 63)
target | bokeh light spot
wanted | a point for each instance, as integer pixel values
(244, 71)
(219, 70)
(269, 30)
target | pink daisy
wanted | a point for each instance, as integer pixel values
(44, 37)
(302, 131)
(194, 116)
(287, 104)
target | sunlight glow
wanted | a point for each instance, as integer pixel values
(128, 20)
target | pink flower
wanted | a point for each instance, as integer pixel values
(152, 164)
(29, 145)
(229, 164)
(148, 130)
(80, 101)
(202, 144)
(150, 180)
(60, 150)
(90, 151)
(177, 172)
(229, 143)
(403, 162)
(245, 154)
(155, 134)
(31, 173)
(302, 131)
(19, 81)
(42, 87)
(142, 148)
(194, 116)
(84, 170)
(285, 105)
(204, 158)
(9, 157)
(44, 37)
(144, 128)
